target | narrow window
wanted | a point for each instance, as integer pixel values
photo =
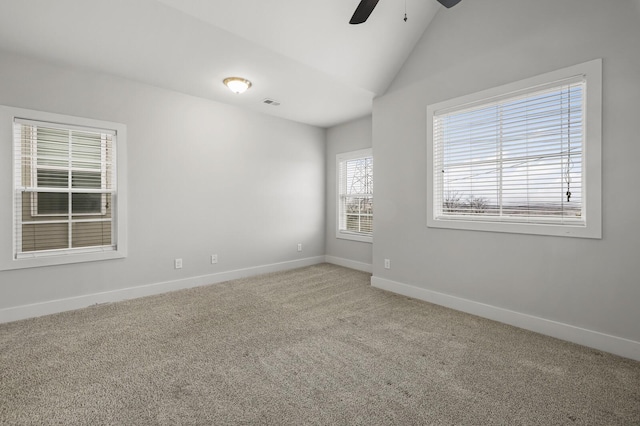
(355, 195)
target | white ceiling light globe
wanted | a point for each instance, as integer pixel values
(237, 84)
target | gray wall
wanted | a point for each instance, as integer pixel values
(347, 137)
(204, 178)
(593, 284)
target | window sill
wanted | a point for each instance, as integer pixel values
(558, 230)
(354, 237)
(61, 259)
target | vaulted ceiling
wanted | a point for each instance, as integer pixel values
(303, 54)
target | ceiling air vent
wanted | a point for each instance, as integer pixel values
(271, 102)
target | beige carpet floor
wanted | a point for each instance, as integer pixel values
(316, 345)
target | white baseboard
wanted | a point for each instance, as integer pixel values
(604, 342)
(60, 305)
(347, 263)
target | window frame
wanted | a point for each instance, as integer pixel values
(9, 258)
(591, 155)
(343, 233)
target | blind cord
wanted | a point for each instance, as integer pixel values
(568, 178)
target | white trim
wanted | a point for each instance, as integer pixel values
(348, 263)
(78, 302)
(8, 260)
(61, 124)
(592, 152)
(594, 339)
(343, 233)
(352, 155)
(64, 252)
(354, 236)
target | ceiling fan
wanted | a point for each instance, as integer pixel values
(365, 8)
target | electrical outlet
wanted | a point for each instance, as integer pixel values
(387, 264)
(214, 258)
(299, 246)
(177, 263)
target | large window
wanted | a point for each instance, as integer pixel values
(67, 204)
(520, 158)
(355, 195)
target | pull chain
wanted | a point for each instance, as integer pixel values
(405, 10)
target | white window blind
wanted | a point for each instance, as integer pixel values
(64, 189)
(514, 158)
(355, 193)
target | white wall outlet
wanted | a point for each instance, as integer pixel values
(387, 264)
(299, 246)
(177, 263)
(214, 258)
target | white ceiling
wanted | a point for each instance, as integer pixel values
(301, 53)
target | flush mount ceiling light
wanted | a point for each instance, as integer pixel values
(237, 84)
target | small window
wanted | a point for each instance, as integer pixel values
(355, 195)
(520, 158)
(68, 194)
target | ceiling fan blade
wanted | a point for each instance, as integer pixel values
(448, 3)
(363, 11)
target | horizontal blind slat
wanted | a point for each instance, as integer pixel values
(65, 187)
(512, 157)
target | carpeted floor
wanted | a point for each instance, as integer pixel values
(315, 345)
